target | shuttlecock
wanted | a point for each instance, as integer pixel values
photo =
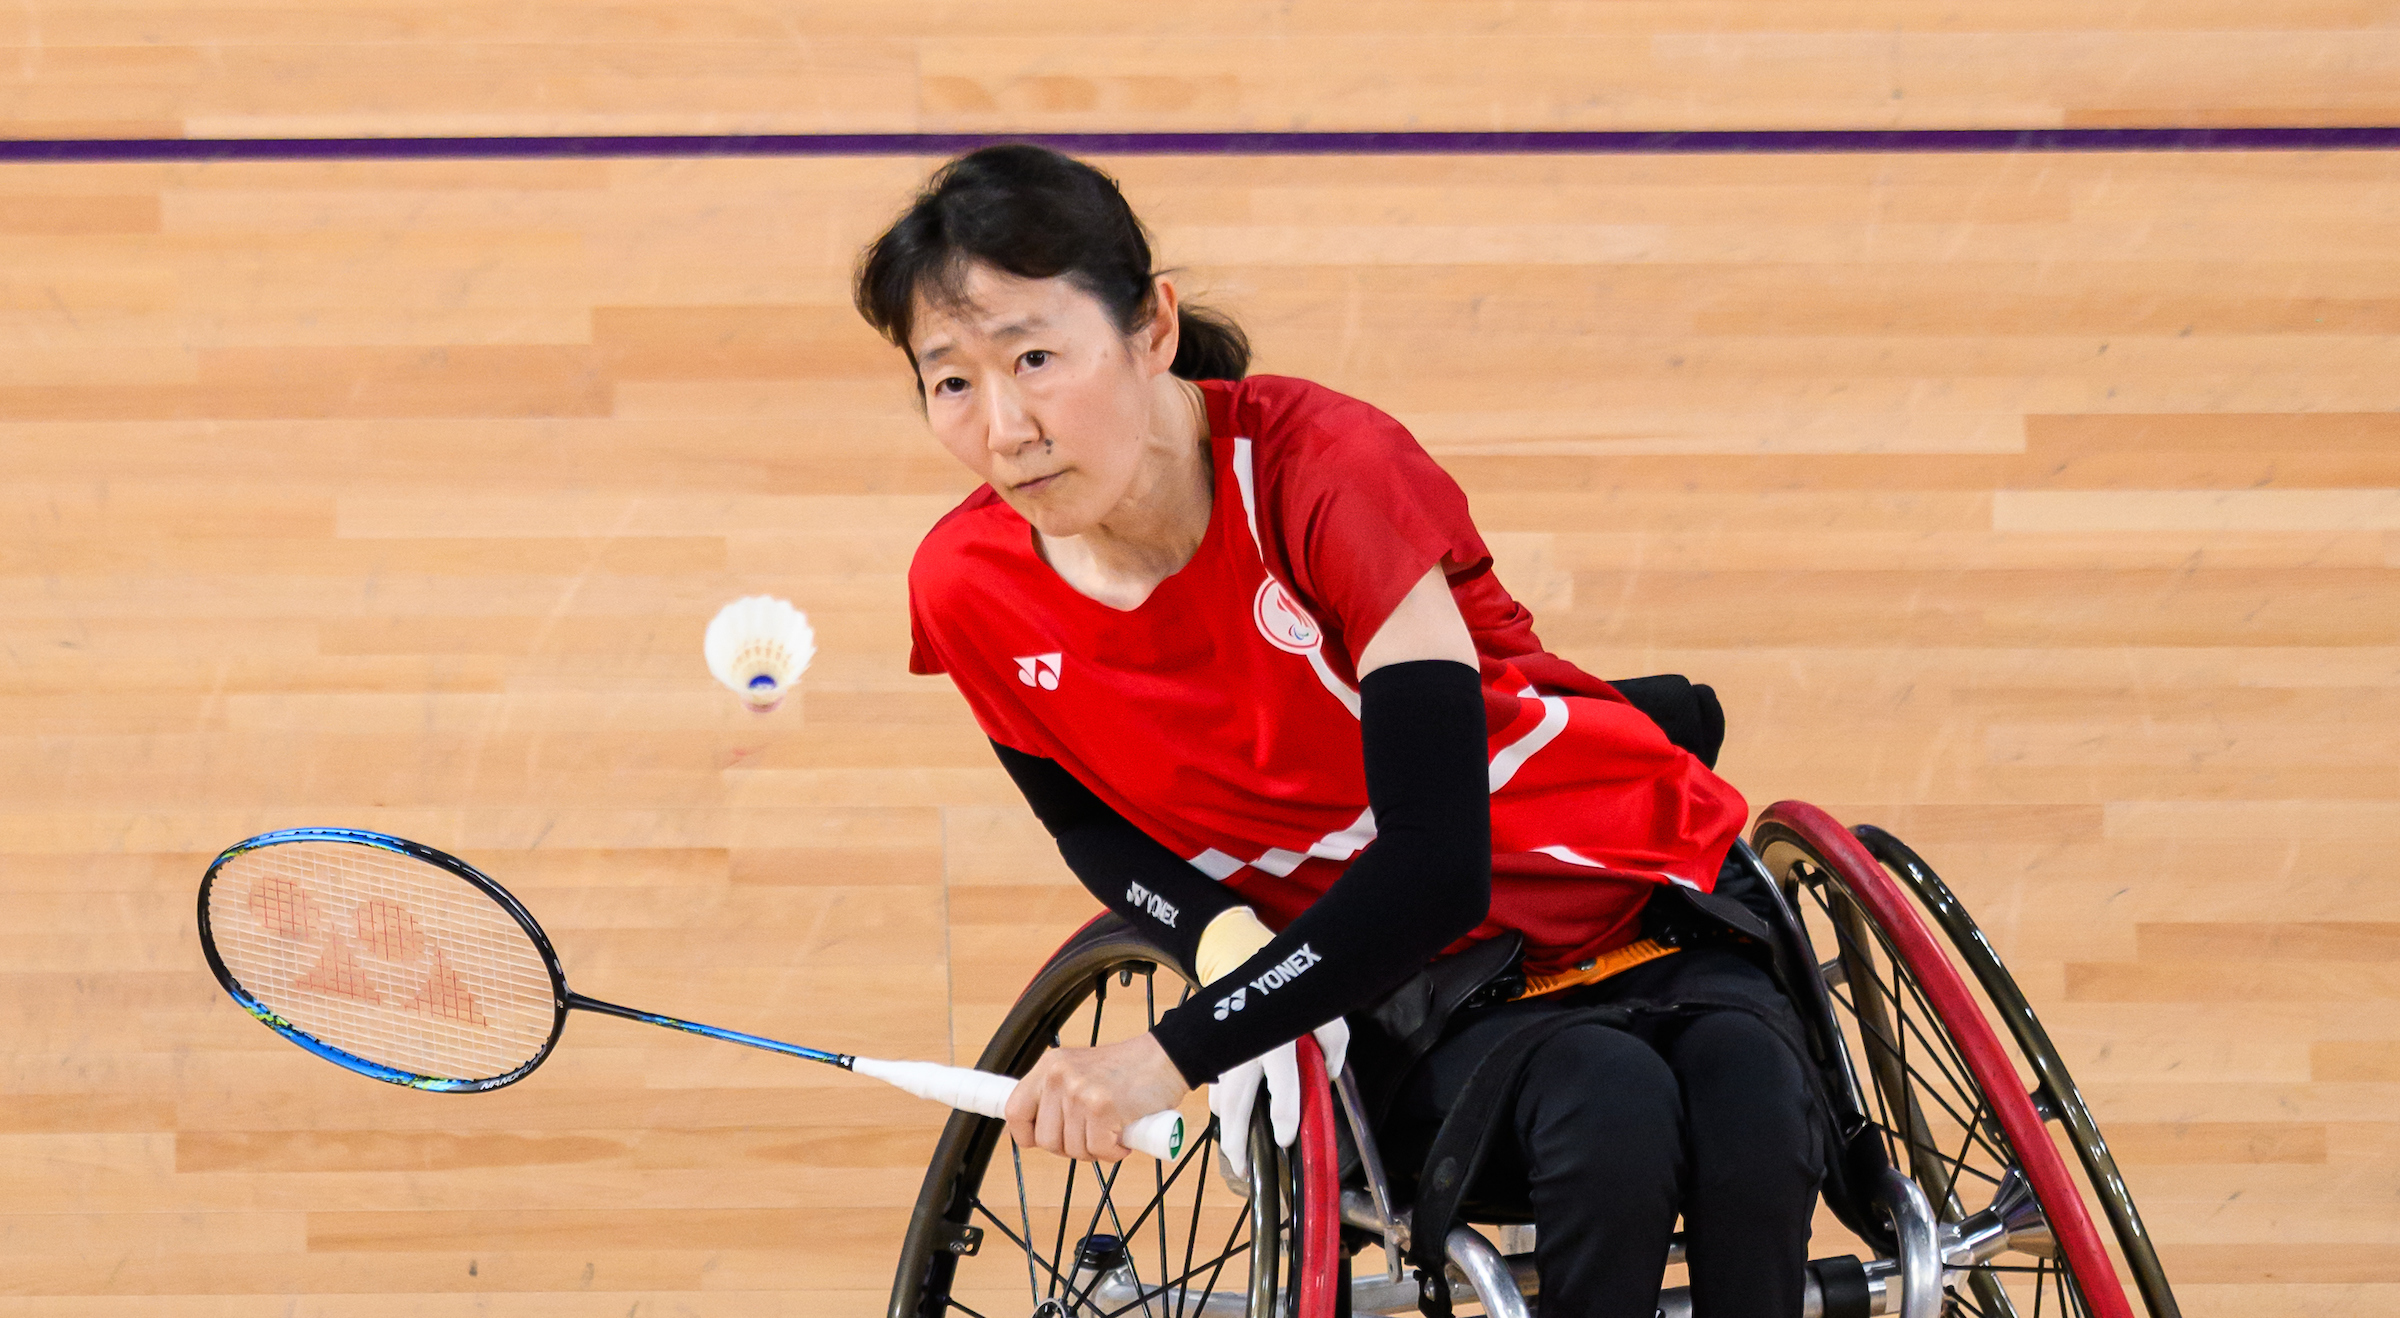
(758, 646)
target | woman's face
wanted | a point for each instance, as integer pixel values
(1029, 383)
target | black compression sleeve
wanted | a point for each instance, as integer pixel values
(1157, 891)
(1423, 883)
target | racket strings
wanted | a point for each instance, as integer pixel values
(383, 956)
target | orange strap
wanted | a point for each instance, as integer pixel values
(1595, 970)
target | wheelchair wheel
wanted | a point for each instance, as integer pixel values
(1003, 1231)
(2056, 1098)
(1952, 1106)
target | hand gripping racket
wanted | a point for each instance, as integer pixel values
(402, 963)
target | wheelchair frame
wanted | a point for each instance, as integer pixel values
(1890, 1180)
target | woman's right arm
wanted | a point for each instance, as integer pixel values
(1423, 883)
(1157, 891)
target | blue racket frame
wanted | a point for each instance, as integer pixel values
(565, 1000)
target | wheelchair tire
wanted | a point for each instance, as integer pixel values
(1016, 1252)
(1940, 1089)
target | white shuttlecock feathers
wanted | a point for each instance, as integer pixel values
(758, 646)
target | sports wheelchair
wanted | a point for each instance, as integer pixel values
(1947, 1163)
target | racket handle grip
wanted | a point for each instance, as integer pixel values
(961, 1087)
(1161, 1134)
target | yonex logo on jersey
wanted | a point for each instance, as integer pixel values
(1158, 908)
(1040, 670)
(1282, 621)
(1281, 973)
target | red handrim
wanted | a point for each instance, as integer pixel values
(1320, 1208)
(1962, 1018)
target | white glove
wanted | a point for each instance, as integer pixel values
(1235, 1094)
(1231, 939)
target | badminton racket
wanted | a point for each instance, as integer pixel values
(409, 965)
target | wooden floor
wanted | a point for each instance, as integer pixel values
(2044, 509)
(172, 68)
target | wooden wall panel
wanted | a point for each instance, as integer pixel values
(2043, 510)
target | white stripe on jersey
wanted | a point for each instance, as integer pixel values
(1279, 862)
(1343, 845)
(1325, 674)
(1242, 477)
(1216, 864)
(1513, 756)
(1332, 682)
(1573, 857)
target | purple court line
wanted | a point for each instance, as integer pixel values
(1732, 142)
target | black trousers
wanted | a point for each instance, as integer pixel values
(1704, 1112)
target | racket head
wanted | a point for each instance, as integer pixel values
(383, 956)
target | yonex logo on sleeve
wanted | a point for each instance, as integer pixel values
(1285, 971)
(1158, 908)
(1040, 670)
(1281, 973)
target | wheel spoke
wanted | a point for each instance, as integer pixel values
(1896, 1054)
(1158, 1205)
(1158, 1170)
(1216, 1268)
(1966, 1142)
(1066, 1206)
(1169, 1266)
(1074, 1299)
(1886, 1047)
(1955, 1081)
(1170, 1283)
(1066, 1209)
(1016, 1157)
(1104, 1183)
(1174, 1256)
(1191, 1239)
(1916, 1143)
(1032, 1258)
(1936, 1046)
(1181, 1281)
(1929, 1107)
(1956, 1074)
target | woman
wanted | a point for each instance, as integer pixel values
(1240, 645)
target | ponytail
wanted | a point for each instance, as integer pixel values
(1209, 346)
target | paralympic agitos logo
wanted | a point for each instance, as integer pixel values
(1281, 973)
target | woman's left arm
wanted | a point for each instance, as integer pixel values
(1422, 884)
(1425, 624)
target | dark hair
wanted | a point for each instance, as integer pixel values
(1036, 214)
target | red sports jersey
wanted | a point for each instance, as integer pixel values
(1221, 716)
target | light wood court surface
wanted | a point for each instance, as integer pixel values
(2044, 509)
(174, 68)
